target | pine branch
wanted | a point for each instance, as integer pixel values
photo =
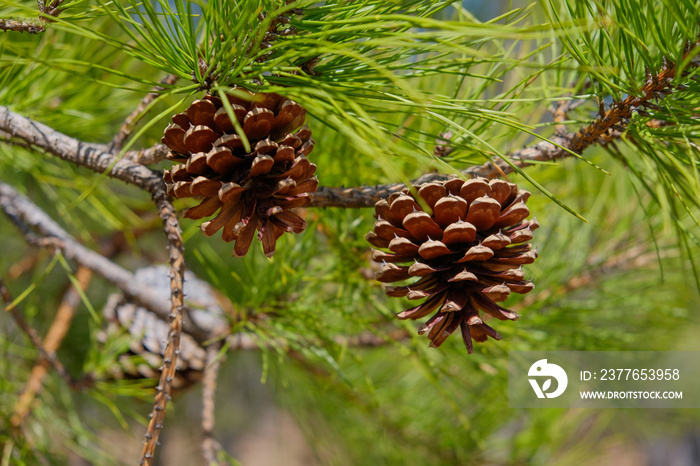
(610, 124)
(149, 156)
(92, 156)
(28, 25)
(367, 196)
(34, 26)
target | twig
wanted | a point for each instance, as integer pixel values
(47, 355)
(18, 208)
(210, 447)
(171, 226)
(128, 125)
(52, 341)
(27, 25)
(72, 150)
(19, 268)
(610, 124)
(29, 218)
(150, 155)
(34, 26)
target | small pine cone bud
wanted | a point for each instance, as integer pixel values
(467, 254)
(250, 190)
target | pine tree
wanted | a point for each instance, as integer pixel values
(591, 107)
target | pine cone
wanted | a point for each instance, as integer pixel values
(148, 337)
(467, 254)
(148, 334)
(251, 190)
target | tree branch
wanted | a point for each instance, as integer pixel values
(27, 25)
(72, 150)
(367, 196)
(150, 155)
(41, 230)
(210, 446)
(166, 211)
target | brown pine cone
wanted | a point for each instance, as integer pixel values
(251, 189)
(467, 253)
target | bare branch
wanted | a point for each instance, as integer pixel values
(150, 155)
(171, 226)
(33, 26)
(128, 125)
(367, 196)
(28, 25)
(210, 446)
(38, 226)
(72, 150)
